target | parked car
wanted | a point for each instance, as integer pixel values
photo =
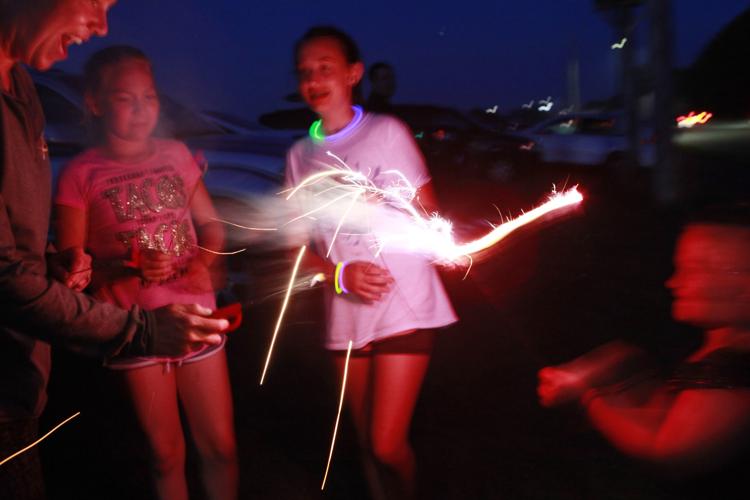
(451, 142)
(586, 139)
(239, 168)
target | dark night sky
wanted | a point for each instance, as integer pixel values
(235, 55)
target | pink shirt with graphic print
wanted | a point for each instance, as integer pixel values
(145, 204)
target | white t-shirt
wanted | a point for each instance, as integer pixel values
(417, 299)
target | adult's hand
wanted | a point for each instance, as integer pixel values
(607, 364)
(366, 280)
(560, 384)
(183, 328)
(72, 267)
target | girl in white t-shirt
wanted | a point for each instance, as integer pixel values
(386, 303)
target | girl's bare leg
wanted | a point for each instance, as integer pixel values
(358, 403)
(154, 397)
(206, 397)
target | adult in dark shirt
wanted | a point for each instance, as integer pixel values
(35, 309)
(382, 87)
(699, 417)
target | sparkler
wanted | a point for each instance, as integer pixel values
(398, 225)
(27, 448)
(414, 232)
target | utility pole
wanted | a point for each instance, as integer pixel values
(623, 21)
(665, 188)
(574, 78)
(574, 85)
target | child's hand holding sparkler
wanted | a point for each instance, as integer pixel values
(366, 280)
(155, 266)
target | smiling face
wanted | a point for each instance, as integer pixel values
(48, 27)
(126, 101)
(326, 78)
(711, 282)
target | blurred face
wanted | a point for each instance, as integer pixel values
(48, 27)
(326, 78)
(711, 283)
(127, 101)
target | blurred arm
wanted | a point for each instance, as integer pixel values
(684, 431)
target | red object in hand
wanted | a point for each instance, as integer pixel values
(135, 257)
(232, 313)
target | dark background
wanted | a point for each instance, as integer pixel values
(237, 55)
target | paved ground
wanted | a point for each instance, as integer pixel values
(550, 293)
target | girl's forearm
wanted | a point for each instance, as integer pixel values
(211, 237)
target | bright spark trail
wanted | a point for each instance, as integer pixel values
(338, 414)
(281, 313)
(24, 450)
(419, 234)
(416, 233)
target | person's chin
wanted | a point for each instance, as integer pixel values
(45, 61)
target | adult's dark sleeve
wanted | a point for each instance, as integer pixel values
(43, 308)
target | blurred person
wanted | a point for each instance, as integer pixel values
(699, 417)
(387, 304)
(382, 87)
(36, 308)
(134, 194)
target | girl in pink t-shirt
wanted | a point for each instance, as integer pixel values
(138, 205)
(391, 302)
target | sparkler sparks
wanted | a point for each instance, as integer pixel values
(396, 225)
(399, 226)
(27, 448)
(281, 313)
(338, 414)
